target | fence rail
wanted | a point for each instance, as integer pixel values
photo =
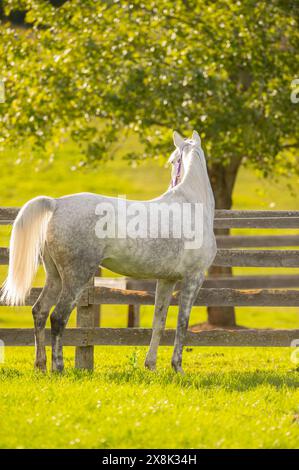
(211, 297)
(242, 258)
(88, 337)
(257, 290)
(238, 282)
(10, 213)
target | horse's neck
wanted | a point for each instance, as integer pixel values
(196, 184)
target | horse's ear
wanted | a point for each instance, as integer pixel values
(196, 138)
(177, 139)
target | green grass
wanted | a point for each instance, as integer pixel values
(230, 397)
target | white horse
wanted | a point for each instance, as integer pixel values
(65, 232)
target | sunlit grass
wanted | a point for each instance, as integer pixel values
(229, 398)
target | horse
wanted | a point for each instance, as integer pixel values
(64, 233)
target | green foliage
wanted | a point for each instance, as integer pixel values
(100, 70)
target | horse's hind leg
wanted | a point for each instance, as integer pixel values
(59, 319)
(75, 278)
(41, 309)
(163, 296)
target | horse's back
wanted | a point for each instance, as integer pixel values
(72, 234)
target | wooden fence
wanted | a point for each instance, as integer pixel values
(234, 250)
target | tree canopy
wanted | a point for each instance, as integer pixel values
(98, 70)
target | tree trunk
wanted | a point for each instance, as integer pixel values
(222, 179)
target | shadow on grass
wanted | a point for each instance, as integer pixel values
(228, 380)
(10, 373)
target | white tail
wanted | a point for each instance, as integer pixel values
(26, 243)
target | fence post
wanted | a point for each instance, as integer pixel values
(133, 316)
(86, 317)
(97, 308)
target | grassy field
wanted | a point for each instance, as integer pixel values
(230, 397)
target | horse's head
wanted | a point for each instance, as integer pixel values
(186, 150)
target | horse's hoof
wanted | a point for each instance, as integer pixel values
(40, 366)
(57, 368)
(150, 365)
(178, 368)
(57, 371)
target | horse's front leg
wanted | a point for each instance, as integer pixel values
(164, 291)
(189, 292)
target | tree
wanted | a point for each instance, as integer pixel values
(224, 68)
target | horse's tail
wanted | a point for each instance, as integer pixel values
(26, 243)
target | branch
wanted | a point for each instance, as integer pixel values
(295, 145)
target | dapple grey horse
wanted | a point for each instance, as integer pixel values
(64, 231)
